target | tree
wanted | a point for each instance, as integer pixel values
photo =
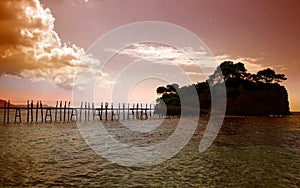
(172, 88)
(280, 78)
(222, 73)
(269, 76)
(229, 72)
(240, 70)
(200, 86)
(161, 90)
(266, 75)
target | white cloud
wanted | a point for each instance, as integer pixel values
(251, 64)
(188, 58)
(158, 53)
(33, 49)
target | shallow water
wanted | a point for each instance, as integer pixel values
(248, 152)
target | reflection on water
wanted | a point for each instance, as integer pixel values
(249, 151)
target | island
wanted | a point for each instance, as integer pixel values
(247, 94)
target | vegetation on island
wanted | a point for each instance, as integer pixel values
(247, 94)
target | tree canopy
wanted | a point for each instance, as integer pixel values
(172, 88)
(231, 72)
(269, 76)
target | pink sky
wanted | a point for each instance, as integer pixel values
(263, 33)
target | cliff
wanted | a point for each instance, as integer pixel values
(262, 99)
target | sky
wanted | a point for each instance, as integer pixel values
(42, 42)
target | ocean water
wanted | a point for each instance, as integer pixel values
(248, 152)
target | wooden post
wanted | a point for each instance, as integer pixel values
(123, 111)
(65, 107)
(93, 111)
(60, 108)
(150, 112)
(106, 106)
(8, 105)
(48, 113)
(137, 110)
(141, 111)
(128, 111)
(85, 111)
(55, 116)
(80, 111)
(119, 111)
(146, 115)
(18, 114)
(27, 111)
(31, 110)
(4, 116)
(69, 111)
(41, 106)
(37, 111)
(133, 111)
(112, 111)
(88, 112)
(74, 114)
(101, 108)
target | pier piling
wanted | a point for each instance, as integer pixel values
(65, 112)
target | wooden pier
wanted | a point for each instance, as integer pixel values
(62, 111)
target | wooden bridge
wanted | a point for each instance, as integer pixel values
(63, 112)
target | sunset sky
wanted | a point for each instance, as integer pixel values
(41, 42)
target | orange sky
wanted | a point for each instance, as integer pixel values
(263, 33)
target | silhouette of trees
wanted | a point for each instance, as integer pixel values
(229, 72)
(161, 90)
(268, 76)
(173, 88)
(236, 73)
(247, 94)
(279, 78)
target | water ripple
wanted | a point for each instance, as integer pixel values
(249, 151)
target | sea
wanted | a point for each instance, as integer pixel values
(250, 151)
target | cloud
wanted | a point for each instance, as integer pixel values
(281, 68)
(189, 59)
(156, 53)
(252, 64)
(159, 53)
(31, 48)
(77, 3)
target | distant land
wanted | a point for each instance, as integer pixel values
(2, 103)
(247, 94)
